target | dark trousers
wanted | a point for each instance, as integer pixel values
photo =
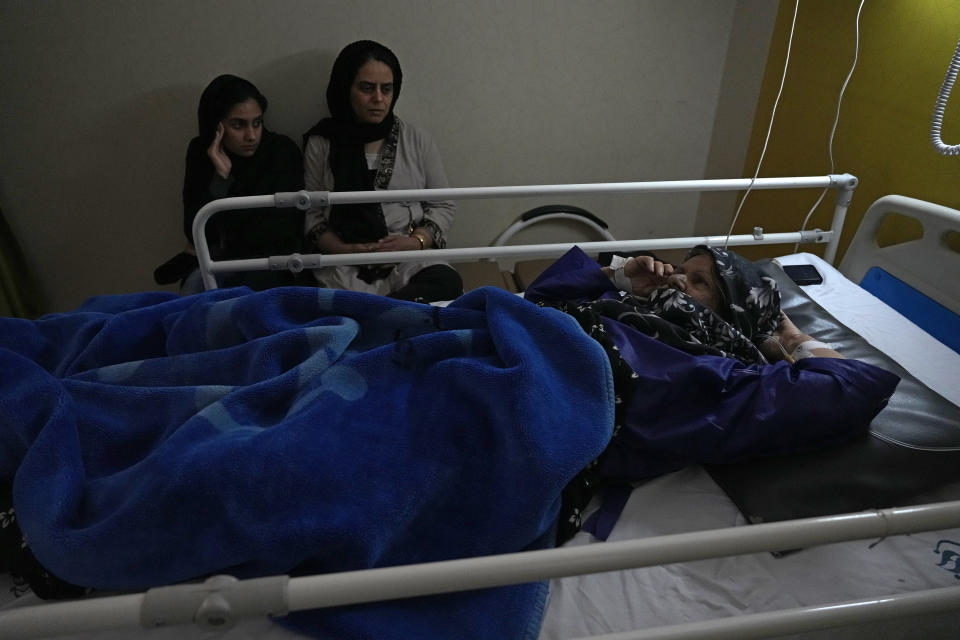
(436, 282)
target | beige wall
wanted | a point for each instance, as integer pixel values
(747, 53)
(98, 102)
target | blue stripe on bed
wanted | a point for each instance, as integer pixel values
(926, 313)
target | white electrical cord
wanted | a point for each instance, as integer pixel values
(836, 119)
(938, 144)
(783, 79)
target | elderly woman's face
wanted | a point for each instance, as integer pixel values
(371, 93)
(695, 277)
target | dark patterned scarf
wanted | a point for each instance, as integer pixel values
(360, 222)
(749, 311)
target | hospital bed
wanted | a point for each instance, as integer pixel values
(699, 552)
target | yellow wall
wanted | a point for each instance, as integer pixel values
(883, 136)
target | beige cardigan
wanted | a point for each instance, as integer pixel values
(416, 165)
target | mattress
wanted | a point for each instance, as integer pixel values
(689, 500)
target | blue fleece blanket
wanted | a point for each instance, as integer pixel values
(153, 439)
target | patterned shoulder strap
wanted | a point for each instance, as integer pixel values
(388, 157)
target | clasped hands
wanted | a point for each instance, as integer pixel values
(390, 243)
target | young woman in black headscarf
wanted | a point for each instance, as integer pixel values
(707, 369)
(364, 146)
(235, 155)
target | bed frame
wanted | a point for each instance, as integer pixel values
(844, 184)
(913, 277)
(218, 603)
(221, 601)
(922, 263)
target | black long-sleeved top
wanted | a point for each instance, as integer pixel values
(252, 233)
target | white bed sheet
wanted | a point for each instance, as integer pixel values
(689, 500)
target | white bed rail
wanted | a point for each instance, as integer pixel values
(843, 183)
(222, 600)
(803, 619)
(927, 264)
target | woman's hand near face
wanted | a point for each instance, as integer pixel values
(219, 158)
(646, 274)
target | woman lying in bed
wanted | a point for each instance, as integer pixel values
(707, 367)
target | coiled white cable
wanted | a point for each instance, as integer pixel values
(940, 107)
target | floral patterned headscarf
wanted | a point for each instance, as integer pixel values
(749, 311)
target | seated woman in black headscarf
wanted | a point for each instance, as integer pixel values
(363, 146)
(707, 369)
(235, 155)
